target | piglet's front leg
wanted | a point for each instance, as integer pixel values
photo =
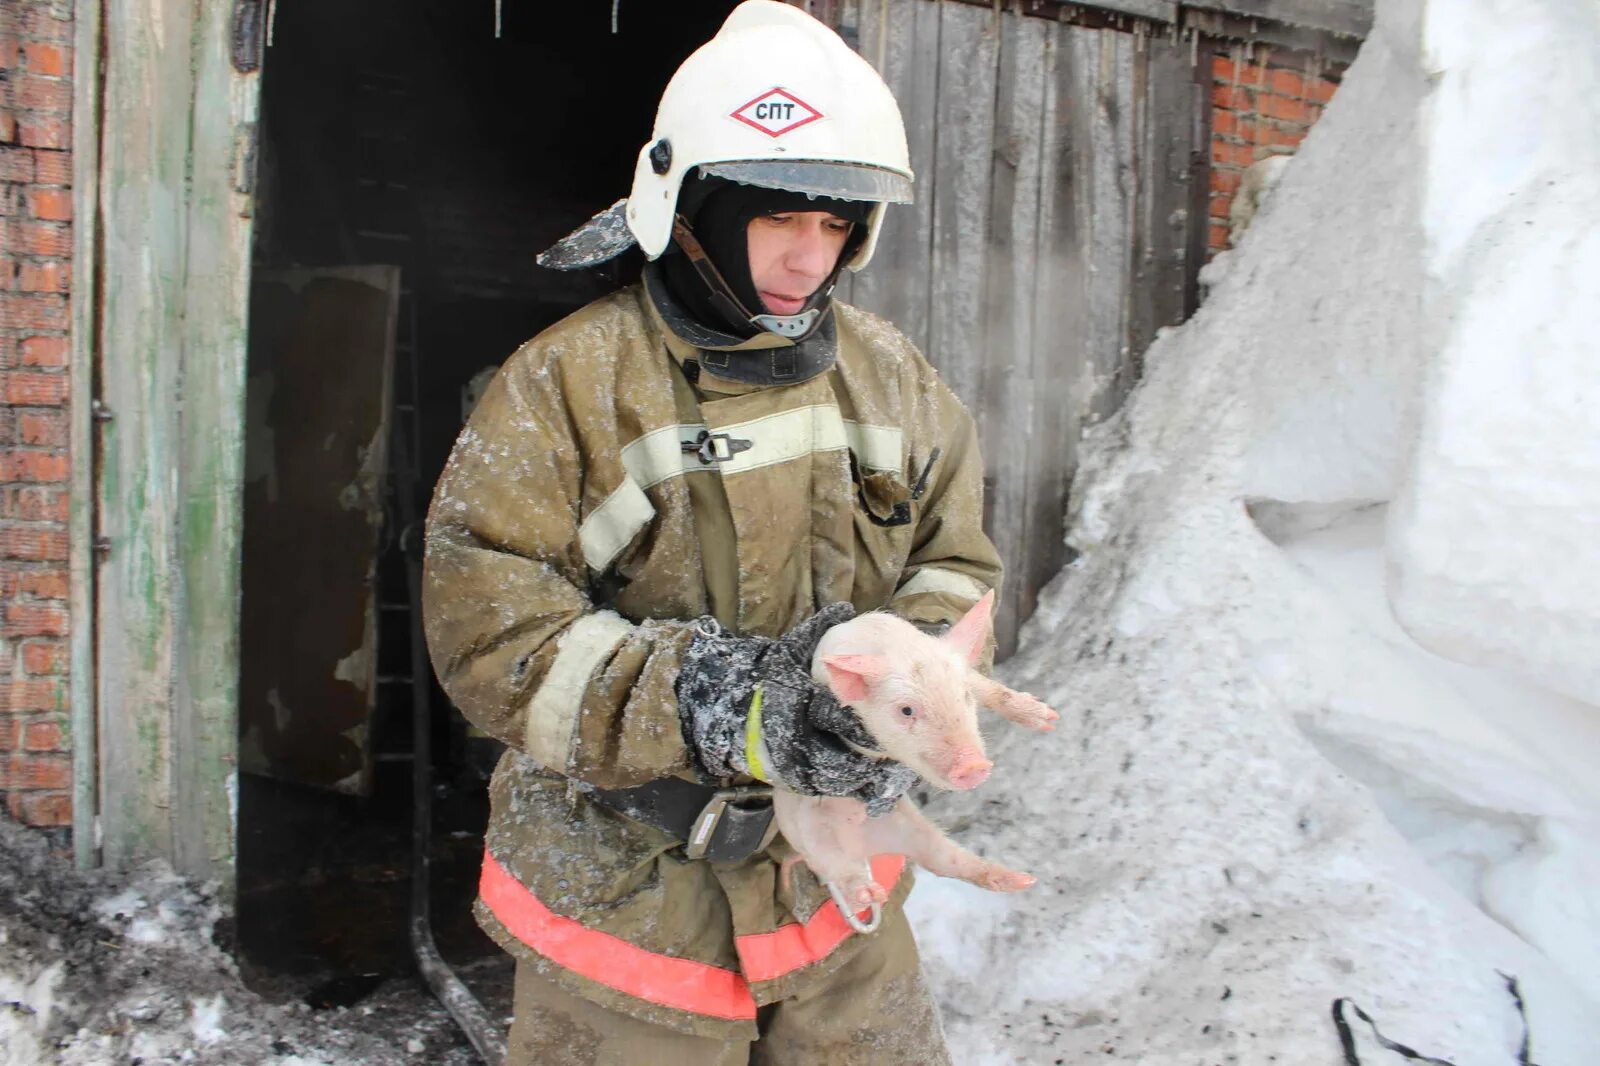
(907, 831)
(828, 833)
(1018, 707)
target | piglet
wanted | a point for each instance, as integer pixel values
(917, 696)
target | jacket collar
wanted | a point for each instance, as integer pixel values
(763, 360)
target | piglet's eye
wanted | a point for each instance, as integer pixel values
(908, 712)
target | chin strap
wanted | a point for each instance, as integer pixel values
(723, 298)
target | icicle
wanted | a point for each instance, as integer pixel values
(272, 20)
(497, 19)
(615, 7)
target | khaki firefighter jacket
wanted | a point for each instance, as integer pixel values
(597, 502)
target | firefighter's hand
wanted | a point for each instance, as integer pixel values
(748, 705)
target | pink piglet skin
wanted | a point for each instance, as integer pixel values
(917, 695)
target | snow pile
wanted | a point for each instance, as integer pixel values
(1266, 794)
(95, 969)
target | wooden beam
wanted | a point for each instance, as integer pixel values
(1348, 18)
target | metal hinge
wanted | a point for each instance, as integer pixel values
(99, 412)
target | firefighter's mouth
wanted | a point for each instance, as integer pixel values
(783, 305)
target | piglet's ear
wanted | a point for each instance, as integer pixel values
(971, 634)
(850, 675)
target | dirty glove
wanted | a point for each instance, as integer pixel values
(748, 705)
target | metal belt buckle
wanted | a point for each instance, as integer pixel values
(705, 823)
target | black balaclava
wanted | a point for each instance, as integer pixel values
(719, 213)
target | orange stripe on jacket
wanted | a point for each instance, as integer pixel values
(611, 961)
(766, 956)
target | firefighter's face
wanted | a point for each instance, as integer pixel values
(791, 255)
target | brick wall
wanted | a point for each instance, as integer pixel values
(35, 277)
(1264, 101)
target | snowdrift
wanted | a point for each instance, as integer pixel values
(1374, 447)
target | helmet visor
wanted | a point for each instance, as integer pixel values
(840, 181)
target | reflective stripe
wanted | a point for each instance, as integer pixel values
(937, 579)
(610, 527)
(876, 447)
(667, 979)
(768, 956)
(553, 710)
(611, 961)
(778, 438)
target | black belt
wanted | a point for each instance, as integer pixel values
(720, 824)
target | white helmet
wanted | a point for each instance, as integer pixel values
(777, 100)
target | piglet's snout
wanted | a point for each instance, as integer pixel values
(968, 770)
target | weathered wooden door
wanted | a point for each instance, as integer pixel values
(1058, 223)
(179, 85)
(321, 367)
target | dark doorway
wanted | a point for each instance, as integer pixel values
(405, 135)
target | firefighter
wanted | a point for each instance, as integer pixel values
(650, 518)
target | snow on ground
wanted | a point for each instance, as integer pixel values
(1266, 793)
(99, 968)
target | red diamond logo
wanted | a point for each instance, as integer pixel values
(776, 112)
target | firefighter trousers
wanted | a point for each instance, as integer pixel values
(875, 1011)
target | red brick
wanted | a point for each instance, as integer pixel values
(1224, 68)
(42, 736)
(45, 351)
(44, 131)
(40, 658)
(44, 277)
(1224, 180)
(34, 312)
(1286, 83)
(28, 542)
(32, 695)
(44, 810)
(1220, 205)
(1282, 108)
(10, 197)
(36, 772)
(49, 204)
(45, 239)
(34, 503)
(1232, 98)
(43, 428)
(33, 388)
(16, 164)
(46, 584)
(8, 51)
(38, 25)
(50, 59)
(10, 733)
(1233, 155)
(1224, 124)
(36, 466)
(35, 620)
(1320, 90)
(1217, 238)
(34, 93)
(53, 167)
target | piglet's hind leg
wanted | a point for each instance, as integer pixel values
(908, 832)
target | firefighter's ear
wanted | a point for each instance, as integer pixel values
(850, 676)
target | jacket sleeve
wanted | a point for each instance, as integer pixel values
(952, 562)
(515, 639)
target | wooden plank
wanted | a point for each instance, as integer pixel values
(1007, 396)
(1350, 18)
(959, 254)
(901, 37)
(80, 388)
(1058, 355)
(1163, 92)
(175, 200)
